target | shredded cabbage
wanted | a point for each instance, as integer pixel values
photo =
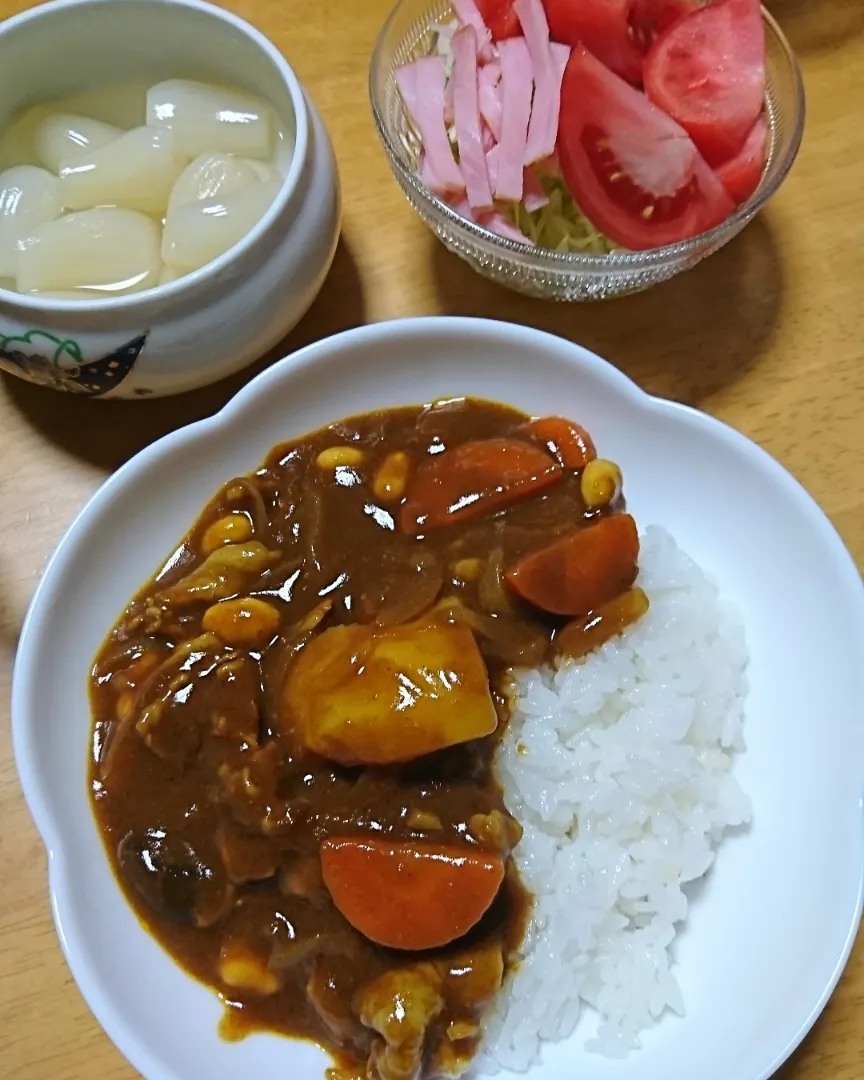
(560, 225)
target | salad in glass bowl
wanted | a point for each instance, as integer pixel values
(582, 148)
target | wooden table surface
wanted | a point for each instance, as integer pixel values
(768, 335)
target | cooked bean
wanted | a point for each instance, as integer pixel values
(392, 477)
(334, 456)
(467, 569)
(248, 621)
(241, 969)
(600, 483)
(231, 529)
(423, 821)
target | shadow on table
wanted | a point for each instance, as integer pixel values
(818, 25)
(685, 339)
(109, 433)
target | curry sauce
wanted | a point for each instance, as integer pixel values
(215, 792)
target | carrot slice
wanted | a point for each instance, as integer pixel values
(409, 895)
(583, 570)
(582, 636)
(473, 479)
(568, 442)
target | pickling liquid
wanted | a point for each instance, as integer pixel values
(119, 189)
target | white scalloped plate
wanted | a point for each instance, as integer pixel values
(768, 937)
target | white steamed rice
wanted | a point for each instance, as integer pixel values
(618, 767)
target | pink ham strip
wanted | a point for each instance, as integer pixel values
(534, 197)
(499, 224)
(466, 110)
(422, 87)
(492, 165)
(469, 15)
(516, 79)
(448, 102)
(491, 106)
(491, 72)
(426, 174)
(494, 222)
(560, 57)
(548, 73)
(489, 139)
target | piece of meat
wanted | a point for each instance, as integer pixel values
(489, 98)
(487, 138)
(533, 195)
(449, 113)
(474, 977)
(400, 1005)
(466, 112)
(492, 156)
(495, 222)
(175, 881)
(496, 831)
(548, 68)
(245, 856)
(469, 15)
(517, 80)
(304, 880)
(327, 997)
(422, 84)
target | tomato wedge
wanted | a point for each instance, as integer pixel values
(500, 17)
(473, 479)
(632, 170)
(649, 18)
(582, 571)
(618, 32)
(708, 73)
(410, 895)
(742, 173)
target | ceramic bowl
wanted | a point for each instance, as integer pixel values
(540, 272)
(769, 932)
(224, 316)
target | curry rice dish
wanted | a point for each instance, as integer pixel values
(342, 743)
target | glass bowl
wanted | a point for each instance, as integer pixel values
(552, 275)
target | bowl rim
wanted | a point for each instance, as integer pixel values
(207, 275)
(587, 262)
(242, 405)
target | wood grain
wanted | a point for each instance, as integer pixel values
(766, 335)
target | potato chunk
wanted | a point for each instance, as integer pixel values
(374, 696)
